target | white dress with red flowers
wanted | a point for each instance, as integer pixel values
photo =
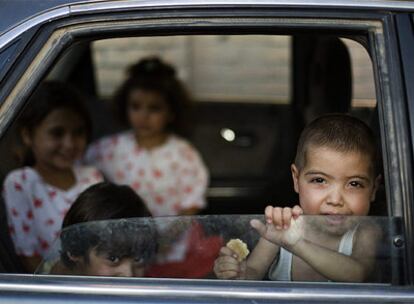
(169, 178)
(35, 209)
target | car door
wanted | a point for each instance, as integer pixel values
(31, 49)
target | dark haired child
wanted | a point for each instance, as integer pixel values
(335, 175)
(161, 166)
(94, 243)
(54, 129)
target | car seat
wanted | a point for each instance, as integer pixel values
(323, 76)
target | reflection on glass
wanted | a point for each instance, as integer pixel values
(149, 247)
(107, 248)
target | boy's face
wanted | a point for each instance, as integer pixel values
(335, 183)
(104, 264)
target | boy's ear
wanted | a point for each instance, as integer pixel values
(295, 177)
(26, 137)
(377, 184)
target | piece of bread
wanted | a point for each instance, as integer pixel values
(239, 247)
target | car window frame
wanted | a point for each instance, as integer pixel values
(391, 100)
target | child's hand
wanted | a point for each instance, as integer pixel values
(227, 266)
(281, 217)
(284, 226)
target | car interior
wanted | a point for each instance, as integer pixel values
(250, 104)
(265, 129)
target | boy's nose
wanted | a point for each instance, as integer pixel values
(335, 196)
(125, 270)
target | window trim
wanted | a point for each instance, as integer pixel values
(394, 129)
(203, 291)
(389, 97)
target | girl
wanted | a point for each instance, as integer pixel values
(54, 129)
(163, 168)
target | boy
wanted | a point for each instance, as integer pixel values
(334, 174)
(94, 243)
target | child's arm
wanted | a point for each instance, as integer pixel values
(329, 263)
(261, 258)
(339, 267)
(255, 267)
(20, 218)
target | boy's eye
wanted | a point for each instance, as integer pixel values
(113, 258)
(139, 260)
(356, 184)
(317, 180)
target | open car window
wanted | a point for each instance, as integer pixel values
(249, 113)
(257, 76)
(153, 247)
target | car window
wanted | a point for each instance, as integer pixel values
(252, 95)
(243, 105)
(149, 246)
(258, 121)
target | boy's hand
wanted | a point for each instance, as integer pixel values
(281, 217)
(227, 266)
(284, 226)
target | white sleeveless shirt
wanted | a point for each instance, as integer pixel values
(281, 269)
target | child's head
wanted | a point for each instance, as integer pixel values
(152, 100)
(105, 201)
(335, 170)
(55, 126)
(104, 247)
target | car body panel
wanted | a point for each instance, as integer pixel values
(118, 290)
(397, 125)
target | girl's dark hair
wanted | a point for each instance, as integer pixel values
(152, 74)
(99, 204)
(49, 96)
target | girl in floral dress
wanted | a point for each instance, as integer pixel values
(54, 129)
(161, 166)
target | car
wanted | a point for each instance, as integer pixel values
(259, 71)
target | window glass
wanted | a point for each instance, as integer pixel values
(152, 247)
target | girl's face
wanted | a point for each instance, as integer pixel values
(104, 264)
(148, 113)
(58, 140)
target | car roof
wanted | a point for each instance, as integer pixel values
(27, 14)
(24, 10)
